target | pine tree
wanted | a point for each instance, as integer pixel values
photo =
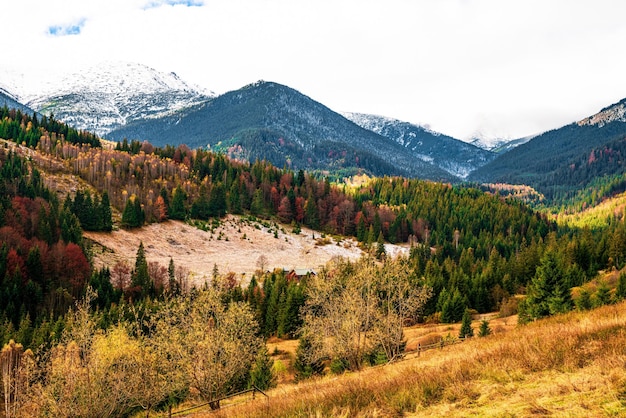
(140, 278)
(466, 325)
(133, 215)
(177, 208)
(484, 329)
(105, 212)
(262, 374)
(603, 294)
(304, 366)
(584, 302)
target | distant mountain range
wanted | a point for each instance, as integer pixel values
(109, 95)
(562, 161)
(456, 157)
(267, 120)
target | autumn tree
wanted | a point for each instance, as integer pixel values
(354, 308)
(215, 345)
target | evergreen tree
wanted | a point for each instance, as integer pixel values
(603, 294)
(177, 208)
(174, 288)
(140, 279)
(547, 293)
(133, 215)
(304, 366)
(105, 214)
(262, 374)
(484, 329)
(466, 325)
(217, 201)
(584, 302)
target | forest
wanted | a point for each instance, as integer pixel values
(471, 251)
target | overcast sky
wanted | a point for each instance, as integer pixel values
(504, 68)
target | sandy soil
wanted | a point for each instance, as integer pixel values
(234, 246)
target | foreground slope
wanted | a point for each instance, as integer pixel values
(570, 365)
(266, 120)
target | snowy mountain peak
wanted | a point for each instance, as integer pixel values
(106, 96)
(613, 113)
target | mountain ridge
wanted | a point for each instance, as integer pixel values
(457, 157)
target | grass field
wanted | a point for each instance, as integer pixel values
(572, 365)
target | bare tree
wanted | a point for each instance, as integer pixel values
(353, 309)
(213, 344)
(261, 263)
(120, 275)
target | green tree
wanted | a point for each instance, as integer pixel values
(140, 279)
(603, 294)
(104, 212)
(547, 293)
(133, 215)
(484, 329)
(466, 325)
(177, 209)
(262, 375)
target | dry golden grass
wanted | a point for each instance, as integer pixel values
(573, 365)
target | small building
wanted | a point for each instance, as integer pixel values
(298, 273)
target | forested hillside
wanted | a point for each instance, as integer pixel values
(579, 162)
(269, 121)
(470, 251)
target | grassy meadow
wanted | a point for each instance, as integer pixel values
(570, 365)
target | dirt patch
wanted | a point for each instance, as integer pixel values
(235, 245)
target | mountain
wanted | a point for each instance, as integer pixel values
(267, 120)
(564, 161)
(456, 157)
(109, 95)
(12, 102)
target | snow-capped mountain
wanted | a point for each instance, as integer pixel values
(457, 157)
(109, 95)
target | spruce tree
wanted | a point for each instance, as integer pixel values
(484, 329)
(140, 278)
(177, 208)
(466, 325)
(105, 212)
(262, 374)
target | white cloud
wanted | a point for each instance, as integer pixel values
(508, 67)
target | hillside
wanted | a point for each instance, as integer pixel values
(570, 365)
(270, 121)
(562, 162)
(234, 246)
(456, 157)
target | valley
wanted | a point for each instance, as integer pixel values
(258, 238)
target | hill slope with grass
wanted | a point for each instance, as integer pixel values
(569, 365)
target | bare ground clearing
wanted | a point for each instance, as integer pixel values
(234, 246)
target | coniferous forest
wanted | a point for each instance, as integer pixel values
(143, 345)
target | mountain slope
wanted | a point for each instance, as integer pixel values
(456, 157)
(9, 100)
(266, 120)
(562, 161)
(109, 95)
